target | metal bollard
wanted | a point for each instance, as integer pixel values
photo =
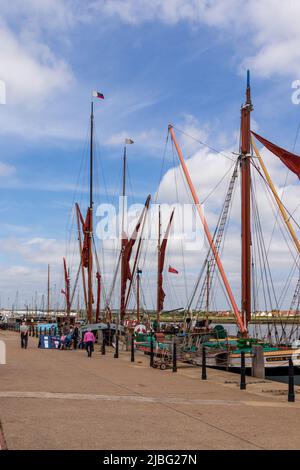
(116, 355)
(151, 351)
(132, 348)
(103, 346)
(203, 375)
(174, 355)
(243, 372)
(291, 394)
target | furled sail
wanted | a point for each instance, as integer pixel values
(161, 265)
(127, 246)
(291, 160)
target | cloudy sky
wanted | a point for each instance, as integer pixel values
(159, 61)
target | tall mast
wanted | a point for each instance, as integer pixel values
(158, 269)
(90, 263)
(138, 296)
(246, 205)
(123, 189)
(48, 292)
(123, 239)
(207, 293)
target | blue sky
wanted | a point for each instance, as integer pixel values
(156, 62)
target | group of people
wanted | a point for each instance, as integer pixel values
(68, 338)
(71, 338)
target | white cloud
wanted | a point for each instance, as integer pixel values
(6, 170)
(269, 28)
(31, 72)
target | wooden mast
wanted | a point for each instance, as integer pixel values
(246, 205)
(158, 269)
(123, 241)
(66, 292)
(90, 238)
(78, 214)
(207, 293)
(208, 235)
(48, 293)
(138, 296)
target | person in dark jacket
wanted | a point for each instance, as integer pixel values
(75, 337)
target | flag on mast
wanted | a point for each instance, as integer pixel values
(172, 270)
(97, 94)
(129, 141)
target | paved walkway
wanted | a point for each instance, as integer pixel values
(63, 400)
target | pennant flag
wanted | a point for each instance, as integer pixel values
(172, 270)
(96, 94)
(291, 160)
(129, 141)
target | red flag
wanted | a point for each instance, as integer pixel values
(291, 160)
(172, 270)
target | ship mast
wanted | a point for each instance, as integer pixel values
(159, 275)
(245, 156)
(48, 293)
(123, 241)
(90, 238)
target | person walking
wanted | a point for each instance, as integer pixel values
(24, 335)
(89, 340)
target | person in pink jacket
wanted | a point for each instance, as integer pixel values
(89, 340)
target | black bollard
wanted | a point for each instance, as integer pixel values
(203, 375)
(243, 372)
(116, 355)
(132, 347)
(151, 350)
(174, 355)
(103, 346)
(291, 395)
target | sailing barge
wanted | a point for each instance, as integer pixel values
(225, 352)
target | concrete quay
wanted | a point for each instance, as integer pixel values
(53, 399)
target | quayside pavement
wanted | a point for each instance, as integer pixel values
(53, 399)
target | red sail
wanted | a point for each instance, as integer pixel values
(161, 265)
(85, 248)
(98, 276)
(85, 224)
(291, 160)
(127, 246)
